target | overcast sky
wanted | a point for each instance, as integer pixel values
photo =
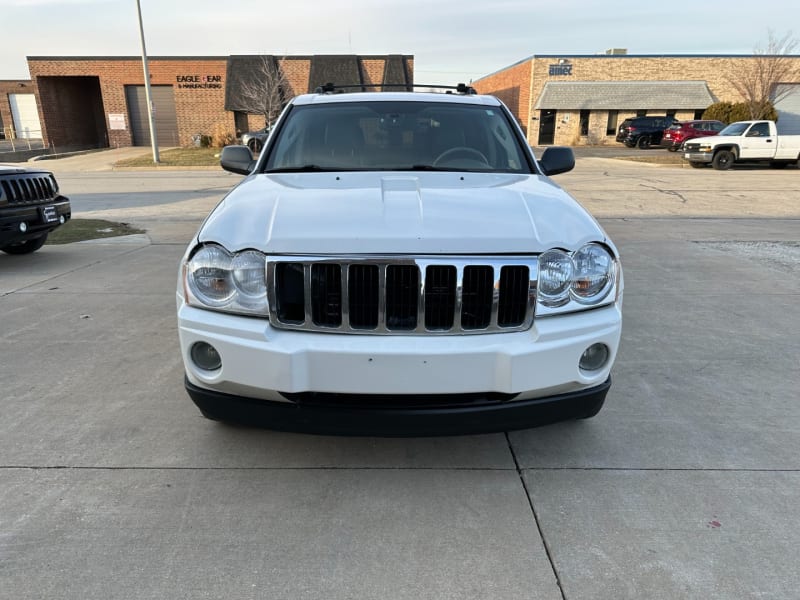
(451, 40)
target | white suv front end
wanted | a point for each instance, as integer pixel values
(398, 264)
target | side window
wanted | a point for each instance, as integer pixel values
(717, 126)
(759, 130)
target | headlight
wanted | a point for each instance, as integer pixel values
(573, 281)
(215, 278)
(555, 277)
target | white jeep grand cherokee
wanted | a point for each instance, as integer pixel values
(398, 264)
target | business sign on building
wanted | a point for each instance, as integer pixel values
(116, 121)
(199, 82)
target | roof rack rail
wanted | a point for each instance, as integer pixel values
(330, 88)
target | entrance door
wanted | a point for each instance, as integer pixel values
(165, 115)
(25, 116)
(547, 127)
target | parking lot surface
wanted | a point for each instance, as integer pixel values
(686, 485)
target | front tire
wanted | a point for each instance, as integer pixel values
(644, 142)
(672, 148)
(723, 160)
(25, 247)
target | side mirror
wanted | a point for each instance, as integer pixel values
(557, 159)
(237, 159)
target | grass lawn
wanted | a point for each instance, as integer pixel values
(176, 157)
(78, 230)
(660, 158)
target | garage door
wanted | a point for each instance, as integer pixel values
(165, 116)
(25, 116)
(789, 109)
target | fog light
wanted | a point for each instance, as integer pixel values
(594, 357)
(206, 356)
(23, 227)
(62, 220)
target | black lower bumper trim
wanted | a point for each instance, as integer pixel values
(393, 421)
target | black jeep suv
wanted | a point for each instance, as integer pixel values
(30, 208)
(643, 131)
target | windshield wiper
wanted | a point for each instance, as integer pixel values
(303, 169)
(424, 168)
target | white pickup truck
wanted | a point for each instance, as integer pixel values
(744, 141)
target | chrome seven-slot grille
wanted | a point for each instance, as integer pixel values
(402, 295)
(27, 189)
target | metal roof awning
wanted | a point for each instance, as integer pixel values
(624, 95)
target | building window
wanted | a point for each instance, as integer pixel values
(611, 125)
(585, 122)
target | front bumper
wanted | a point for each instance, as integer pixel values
(397, 420)
(701, 157)
(514, 372)
(34, 217)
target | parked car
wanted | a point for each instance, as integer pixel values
(31, 206)
(255, 140)
(643, 132)
(398, 263)
(679, 132)
(744, 141)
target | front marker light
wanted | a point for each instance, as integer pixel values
(594, 274)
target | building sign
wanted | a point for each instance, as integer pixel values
(561, 69)
(116, 121)
(199, 82)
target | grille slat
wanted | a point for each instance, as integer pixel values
(403, 296)
(476, 297)
(514, 284)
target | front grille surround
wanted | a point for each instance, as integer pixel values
(26, 189)
(398, 295)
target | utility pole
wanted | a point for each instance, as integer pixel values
(147, 91)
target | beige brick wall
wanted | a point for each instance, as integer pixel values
(533, 73)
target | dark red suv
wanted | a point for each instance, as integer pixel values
(677, 133)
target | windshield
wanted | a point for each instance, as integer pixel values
(735, 129)
(396, 136)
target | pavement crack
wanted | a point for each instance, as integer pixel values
(667, 192)
(546, 545)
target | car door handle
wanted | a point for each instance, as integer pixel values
(769, 141)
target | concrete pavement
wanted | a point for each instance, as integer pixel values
(686, 485)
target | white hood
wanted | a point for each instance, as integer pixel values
(398, 213)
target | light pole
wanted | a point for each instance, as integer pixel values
(147, 92)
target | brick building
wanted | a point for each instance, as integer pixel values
(18, 115)
(97, 102)
(582, 99)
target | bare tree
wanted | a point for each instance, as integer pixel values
(758, 79)
(265, 91)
